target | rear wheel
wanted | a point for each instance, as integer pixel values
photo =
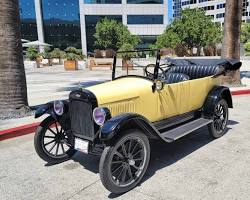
(51, 142)
(220, 118)
(123, 165)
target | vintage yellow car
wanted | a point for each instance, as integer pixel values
(118, 119)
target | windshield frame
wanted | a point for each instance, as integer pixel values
(156, 69)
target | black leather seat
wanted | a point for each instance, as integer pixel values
(195, 71)
(175, 78)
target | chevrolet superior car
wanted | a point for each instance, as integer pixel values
(118, 119)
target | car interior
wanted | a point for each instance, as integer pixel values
(177, 74)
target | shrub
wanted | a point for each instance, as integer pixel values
(74, 54)
(32, 53)
(56, 53)
(247, 47)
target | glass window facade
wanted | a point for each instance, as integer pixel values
(61, 21)
(176, 8)
(146, 41)
(145, 1)
(90, 23)
(102, 1)
(189, 2)
(145, 19)
(220, 15)
(28, 19)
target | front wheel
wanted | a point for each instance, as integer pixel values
(220, 117)
(51, 142)
(123, 164)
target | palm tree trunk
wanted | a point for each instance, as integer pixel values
(231, 41)
(13, 89)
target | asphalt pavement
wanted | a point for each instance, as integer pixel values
(195, 167)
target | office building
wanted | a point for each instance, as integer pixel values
(213, 8)
(65, 23)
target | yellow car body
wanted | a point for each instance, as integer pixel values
(135, 95)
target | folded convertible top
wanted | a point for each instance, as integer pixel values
(229, 64)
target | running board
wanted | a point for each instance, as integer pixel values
(185, 129)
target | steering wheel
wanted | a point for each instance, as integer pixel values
(151, 75)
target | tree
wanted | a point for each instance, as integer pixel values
(112, 34)
(193, 29)
(231, 40)
(247, 48)
(245, 33)
(13, 90)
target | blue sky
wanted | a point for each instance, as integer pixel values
(170, 10)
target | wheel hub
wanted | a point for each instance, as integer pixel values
(131, 162)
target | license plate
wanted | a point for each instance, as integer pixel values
(81, 145)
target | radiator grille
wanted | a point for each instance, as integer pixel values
(82, 124)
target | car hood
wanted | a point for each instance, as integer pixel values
(121, 89)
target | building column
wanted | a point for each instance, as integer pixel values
(39, 22)
(165, 20)
(83, 28)
(124, 15)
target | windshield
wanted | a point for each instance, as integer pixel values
(138, 63)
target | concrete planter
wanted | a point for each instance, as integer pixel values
(30, 64)
(70, 65)
(82, 64)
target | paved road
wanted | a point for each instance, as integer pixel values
(194, 167)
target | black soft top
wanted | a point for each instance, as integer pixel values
(228, 64)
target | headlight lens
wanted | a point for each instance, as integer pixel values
(159, 85)
(99, 116)
(58, 107)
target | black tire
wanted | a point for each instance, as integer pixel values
(133, 164)
(60, 138)
(220, 118)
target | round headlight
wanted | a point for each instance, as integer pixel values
(99, 116)
(159, 85)
(58, 107)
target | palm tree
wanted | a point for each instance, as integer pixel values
(13, 89)
(231, 41)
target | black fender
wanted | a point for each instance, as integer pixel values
(114, 126)
(48, 108)
(44, 109)
(217, 93)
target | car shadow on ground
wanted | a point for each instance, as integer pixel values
(162, 154)
(245, 74)
(89, 162)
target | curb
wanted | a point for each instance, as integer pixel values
(18, 131)
(240, 92)
(30, 128)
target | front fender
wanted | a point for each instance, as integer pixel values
(113, 127)
(45, 109)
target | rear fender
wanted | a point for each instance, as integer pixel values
(217, 93)
(113, 127)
